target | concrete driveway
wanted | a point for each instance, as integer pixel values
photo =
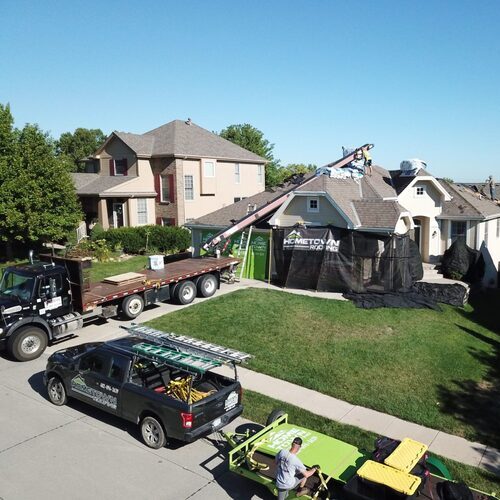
(79, 452)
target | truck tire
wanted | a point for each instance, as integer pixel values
(57, 391)
(27, 343)
(132, 306)
(207, 285)
(274, 415)
(185, 292)
(152, 433)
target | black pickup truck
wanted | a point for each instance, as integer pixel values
(161, 381)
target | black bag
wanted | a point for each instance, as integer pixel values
(384, 446)
(454, 491)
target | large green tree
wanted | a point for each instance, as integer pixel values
(251, 138)
(74, 147)
(38, 201)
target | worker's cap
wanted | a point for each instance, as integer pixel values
(297, 441)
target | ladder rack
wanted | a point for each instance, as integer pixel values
(188, 345)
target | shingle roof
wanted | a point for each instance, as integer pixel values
(466, 203)
(180, 138)
(94, 184)
(360, 199)
(401, 182)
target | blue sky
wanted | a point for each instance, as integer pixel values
(416, 78)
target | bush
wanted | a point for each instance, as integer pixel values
(137, 240)
(98, 249)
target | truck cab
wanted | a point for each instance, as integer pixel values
(33, 299)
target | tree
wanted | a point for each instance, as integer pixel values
(7, 133)
(74, 147)
(251, 138)
(38, 201)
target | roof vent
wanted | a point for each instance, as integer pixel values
(251, 208)
(188, 121)
(410, 168)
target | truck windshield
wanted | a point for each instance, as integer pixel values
(17, 284)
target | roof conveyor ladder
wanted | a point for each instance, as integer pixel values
(244, 245)
(188, 345)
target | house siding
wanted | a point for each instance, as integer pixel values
(296, 212)
(117, 150)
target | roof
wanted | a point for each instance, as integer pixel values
(94, 184)
(185, 139)
(467, 203)
(364, 201)
(401, 182)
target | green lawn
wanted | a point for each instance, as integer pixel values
(258, 407)
(438, 369)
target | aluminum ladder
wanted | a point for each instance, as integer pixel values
(189, 345)
(244, 243)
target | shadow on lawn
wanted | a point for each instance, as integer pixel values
(477, 403)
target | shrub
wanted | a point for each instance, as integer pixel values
(136, 240)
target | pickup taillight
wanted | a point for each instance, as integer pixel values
(187, 420)
(241, 394)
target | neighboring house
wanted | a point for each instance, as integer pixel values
(444, 211)
(169, 175)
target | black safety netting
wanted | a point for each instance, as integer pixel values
(340, 260)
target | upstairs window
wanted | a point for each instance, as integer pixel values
(420, 191)
(313, 205)
(121, 166)
(208, 168)
(165, 188)
(237, 173)
(260, 174)
(188, 188)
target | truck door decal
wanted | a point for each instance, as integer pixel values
(78, 385)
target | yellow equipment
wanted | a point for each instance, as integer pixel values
(406, 455)
(179, 389)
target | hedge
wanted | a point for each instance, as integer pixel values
(137, 240)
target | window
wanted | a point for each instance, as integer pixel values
(121, 167)
(313, 205)
(119, 367)
(188, 187)
(167, 221)
(142, 211)
(238, 198)
(420, 191)
(165, 188)
(498, 228)
(486, 235)
(260, 174)
(209, 168)
(237, 173)
(51, 286)
(458, 230)
(93, 362)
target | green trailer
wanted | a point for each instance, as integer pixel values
(344, 471)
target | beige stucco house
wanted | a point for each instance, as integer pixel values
(443, 211)
(169, 176)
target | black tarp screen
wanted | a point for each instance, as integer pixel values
(338, 260)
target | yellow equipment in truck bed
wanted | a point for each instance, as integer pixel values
(393, 478)
(406, 455)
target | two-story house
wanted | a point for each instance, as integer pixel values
(170, 175)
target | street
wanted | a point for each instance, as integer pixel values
(79, 452)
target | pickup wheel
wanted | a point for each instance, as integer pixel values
(132, 306)
(57, 391)
(185, 292)
(274, 415)
(27, 343)
(153, 433)
(207, 285)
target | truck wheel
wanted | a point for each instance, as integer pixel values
(153, 433)
(132, 306)
(57, 391)
(185, 292)
(27, 343)
(207, 285)
(274, 415)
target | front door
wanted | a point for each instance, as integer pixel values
(118, 218)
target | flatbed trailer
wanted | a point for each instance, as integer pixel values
(50, 299)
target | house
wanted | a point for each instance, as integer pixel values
(443, 211)
(367, 204)
(169, 175)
